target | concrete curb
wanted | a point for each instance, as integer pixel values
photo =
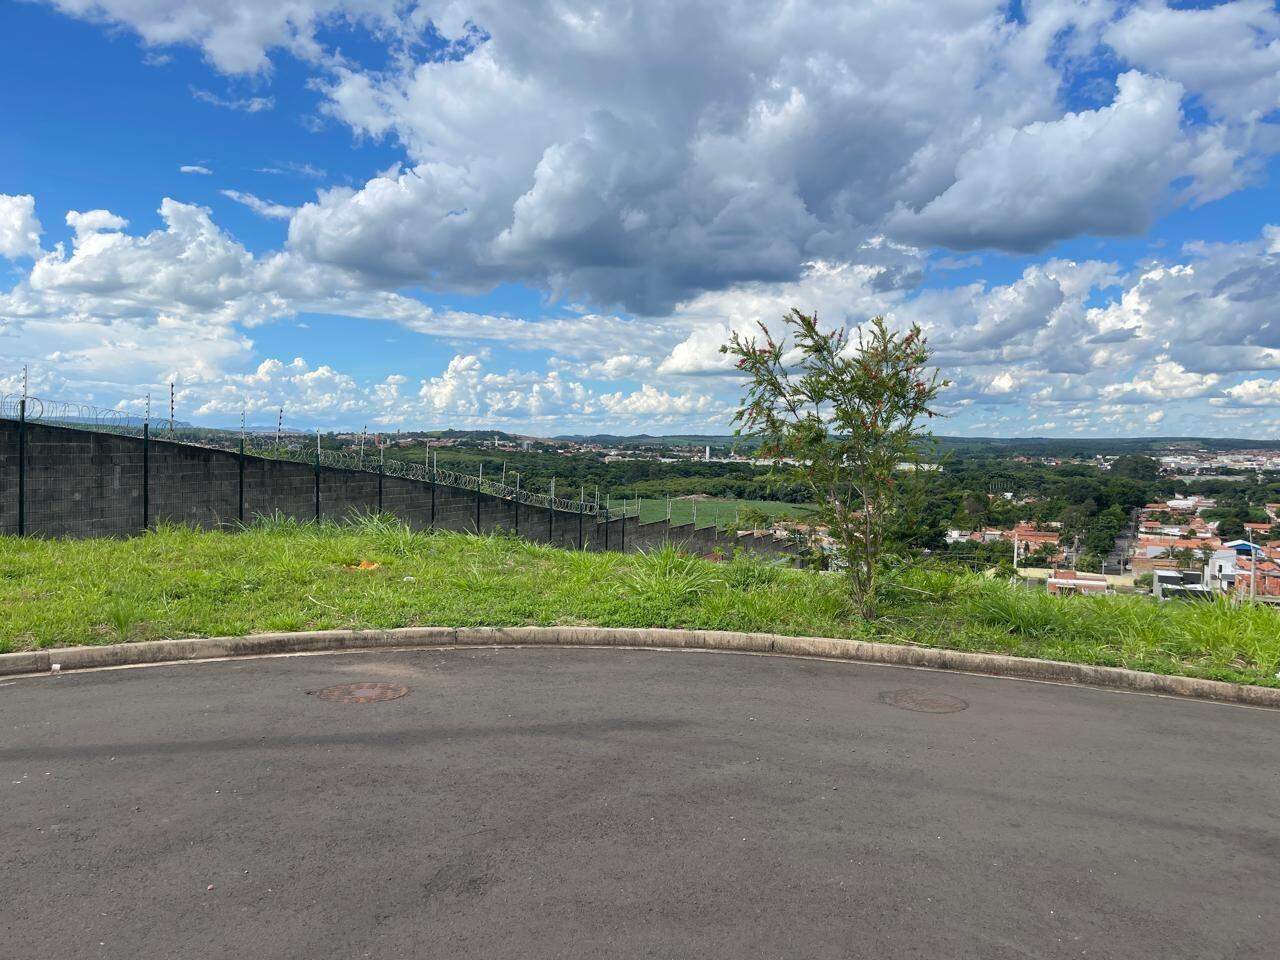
(1026, 668)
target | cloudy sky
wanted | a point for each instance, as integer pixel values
(547, 216)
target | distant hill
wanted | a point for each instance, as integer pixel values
(477, 435)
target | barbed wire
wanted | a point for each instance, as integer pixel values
(64, 411)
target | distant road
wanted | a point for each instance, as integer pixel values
(579, 803)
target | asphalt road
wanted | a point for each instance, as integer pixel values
(579, 803)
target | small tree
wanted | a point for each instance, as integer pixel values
(844, 415)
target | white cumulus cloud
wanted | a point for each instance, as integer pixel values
(19, 228)
(1101, 172)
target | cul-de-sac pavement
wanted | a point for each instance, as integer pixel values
(546, 803)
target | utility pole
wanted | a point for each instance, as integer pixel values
(1253, 568)
(171, 397)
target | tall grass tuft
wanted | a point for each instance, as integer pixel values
(122, 617)
(668, 577)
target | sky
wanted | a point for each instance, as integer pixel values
(546, 217)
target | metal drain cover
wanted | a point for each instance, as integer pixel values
(923, 701)
(367, 692)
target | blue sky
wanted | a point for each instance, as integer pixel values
(545, 218)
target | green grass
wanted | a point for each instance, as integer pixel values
(282, 575)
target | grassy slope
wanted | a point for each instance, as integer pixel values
(720, 512)
(177, 582)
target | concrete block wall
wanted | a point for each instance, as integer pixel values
(278, 486)
(679, 534)
(347, 493)
(455, 509)
(765, 544)
(497, 514)
(410, 500)
(702, 540)
(192, 485)
(602, 535)
(565, 529)
(80, 484)
(648, 536)
(8, 477)
(531, 523)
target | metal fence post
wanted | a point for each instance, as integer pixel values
(380, 475)
(432, 474)
(551, 512)
(479, 481)
(240, 506)
(22, 466)
(516, 531)
(317, 476)
(606, 528)
(146, 474)
(581, 509)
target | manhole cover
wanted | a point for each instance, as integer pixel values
(923, 701)
(368, 692)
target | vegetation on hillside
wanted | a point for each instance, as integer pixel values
(284, 575)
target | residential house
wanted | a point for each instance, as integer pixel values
(1257, 577)
(1027, 539)
(1180, 585)
(1076, 581)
